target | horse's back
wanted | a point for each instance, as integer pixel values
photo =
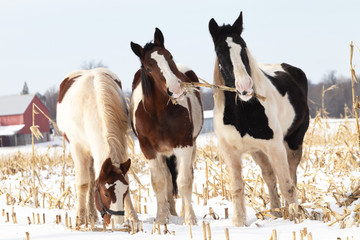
(284, 76)
(82, 104)
(292, 81)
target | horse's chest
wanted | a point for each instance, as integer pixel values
(248, 118)
(171, 125)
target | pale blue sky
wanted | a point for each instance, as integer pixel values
(41, 41)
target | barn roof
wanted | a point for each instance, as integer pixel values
(10, 130)
(15, 104)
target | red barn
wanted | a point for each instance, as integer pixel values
(16, 120)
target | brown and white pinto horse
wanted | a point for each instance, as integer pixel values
(166, 131)
(271, 130)
(92, 113)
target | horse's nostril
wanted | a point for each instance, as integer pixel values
(244, 93)
(168, 92)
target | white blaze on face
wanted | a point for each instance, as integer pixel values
(243, 81)
(120, 189)
(172, 82)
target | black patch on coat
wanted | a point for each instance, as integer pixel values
(293, 82)
(247, 117)
(171, 164)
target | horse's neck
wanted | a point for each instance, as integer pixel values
(260, 82)
(156, 100)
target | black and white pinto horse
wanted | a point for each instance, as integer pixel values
(167, 131)
(271, 130)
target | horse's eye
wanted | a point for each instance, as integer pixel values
(148, 69)
(107, 195)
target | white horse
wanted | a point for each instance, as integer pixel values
(93, 116)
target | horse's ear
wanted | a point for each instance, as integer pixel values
(125, 166)
(213, 28)
(106, 167)
(238, 24)
(158, 37)
(137, 49)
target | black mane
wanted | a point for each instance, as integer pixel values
(146, 83)
(150, 46)
(226, 30)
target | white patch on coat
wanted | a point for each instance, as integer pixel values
(196, 109)
(243, 81)
(109, 185)
(136, 98)
(120, 189)
(172, 82)
(271, 69)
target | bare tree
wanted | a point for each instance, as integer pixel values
(51, 96)
(336, 100)
(92, 64)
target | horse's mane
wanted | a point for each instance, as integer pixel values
(149, 46)
(115, 115)
(256, 74)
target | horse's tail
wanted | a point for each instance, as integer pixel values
(171, 163)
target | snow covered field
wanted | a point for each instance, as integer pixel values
(323, 181)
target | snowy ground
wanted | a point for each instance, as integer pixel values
(50, 178)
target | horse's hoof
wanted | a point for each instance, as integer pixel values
(133, 216)
(192, 221)
(239, 222)
(276, 214)
(162, 220)
(80, 220)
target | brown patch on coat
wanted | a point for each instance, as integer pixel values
(117, 81)
(64, 87)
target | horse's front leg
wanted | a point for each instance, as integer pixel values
(130, 212)
(82, 180)
(233, 163)
(158, 170)
(92, 213)
(185, 157)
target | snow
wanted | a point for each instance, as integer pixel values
(256, 229)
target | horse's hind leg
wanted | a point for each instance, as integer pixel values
(171, 187)
(270, 179)
(82, 179)
(92, 213)
(159, 181)
(278, 157)
(294, 158)
(185, 157)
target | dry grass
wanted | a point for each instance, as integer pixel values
(329, 170)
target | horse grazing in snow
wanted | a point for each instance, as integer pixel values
(166, 130)
(92, 113)
(271, 130)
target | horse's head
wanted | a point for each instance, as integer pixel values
(111, 190)
(232, 55)
(157, 63)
